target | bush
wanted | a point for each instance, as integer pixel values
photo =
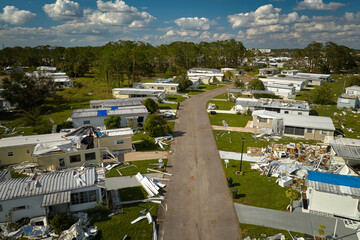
(256, 84)
(265, 95)
(112, 122)
(61, 222)
(151, 105)
(64, 125)
(156, 125)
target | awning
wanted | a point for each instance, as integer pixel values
(56, 198)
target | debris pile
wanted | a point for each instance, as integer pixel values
(212, 106)
(164, 140)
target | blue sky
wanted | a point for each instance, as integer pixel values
(257, 23)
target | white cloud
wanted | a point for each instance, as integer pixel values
(318, 5)
(181, 33)
(194, 23)
(352, 17)
(264, 15)
(120, 14)
(266, 29)
(317, 27)
(63, 10)
(15, 16)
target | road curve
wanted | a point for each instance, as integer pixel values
(199, 205)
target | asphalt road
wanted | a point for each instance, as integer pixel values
(199, 205)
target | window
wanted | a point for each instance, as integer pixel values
(344, 100)
(10, 154)
(61, 162)
(1, 209)
(19, 208)
(120, 141)
(27, 151)
(263, 120)
(286, 112)
(161, 88)
(309, 130)
(140, 119)
(90, 156)
(294, 130)
(75, 158)
(324, 132)
(299, 113)
(87, 122)
(173, 88)
(83, 197)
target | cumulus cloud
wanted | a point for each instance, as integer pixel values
(120, 14)
(264, 15)
(318, 5)
(194, 23)
(63, 10)
(266, 30)
(15, 16)
(352, 17)
(181, 33)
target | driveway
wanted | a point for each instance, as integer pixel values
(294, 221)
(199, 205)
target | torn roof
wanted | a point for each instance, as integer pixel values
(30, 140)
(48, 183)
(346, 148)
(274, 103)
(91, 112)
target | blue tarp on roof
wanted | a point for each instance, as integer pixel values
(335, 179)
(114, 108)
(102, 113)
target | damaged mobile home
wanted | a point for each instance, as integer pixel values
(83, 146)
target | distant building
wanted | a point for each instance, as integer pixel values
(138, 93)
(275, 105)
(60, 79)
(130, 116)
(332, 195)
(289, 72)
(298, 83)
(268, 71)
(205, 75)
(282, 90)
(170, 88)
(51, 193)
(313, 78)
(163, 80)
(350, 99)
(308, 127)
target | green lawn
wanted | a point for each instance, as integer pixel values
(211, 86)
(233, 120)
(222, 105)
(254, 231)
(165, 106)
(255, 189)
(136, 166)
(171, 125)
(175, 98)
(120, 225)
(222, 96)
(222, 139)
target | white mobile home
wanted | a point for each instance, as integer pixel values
(298, 83)
(138, 93)
(308, 127)
(205, 75)
(118, 102)
(130, 116)
(169, 88)
(268, 71)
(282, 90)
(275, 105)
(50, 193)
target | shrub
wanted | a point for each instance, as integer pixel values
(156, 125)
(151, 105)
(112, 122)
(61, 222)
(64, 125)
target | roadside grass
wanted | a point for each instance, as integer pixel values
(255, 231)
(212, 86)
(171, 125)
(120, 225)
(222, 105)
(165, 106)
(175, 98)
(223, 142)
(136, 166)
(192, 92)
(138, 141)
(255, 189)
(222, 96)
(233, 120)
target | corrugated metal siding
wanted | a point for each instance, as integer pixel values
(334, 179)
(47, 183)
(351, 152)
(56, 198)
(331, 188)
